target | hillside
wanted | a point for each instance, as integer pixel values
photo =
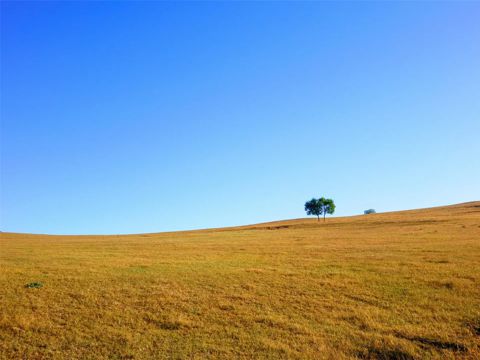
(391, 285)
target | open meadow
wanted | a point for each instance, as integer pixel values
(398, 285)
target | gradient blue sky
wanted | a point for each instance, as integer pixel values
(124, 117)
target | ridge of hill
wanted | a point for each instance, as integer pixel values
(434, 212)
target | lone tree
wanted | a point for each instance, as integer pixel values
(319, 207)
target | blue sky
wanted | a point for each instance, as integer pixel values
(124, 117)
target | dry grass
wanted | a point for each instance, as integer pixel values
(390, 286)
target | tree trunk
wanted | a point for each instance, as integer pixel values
(323, 217)
(318, 217)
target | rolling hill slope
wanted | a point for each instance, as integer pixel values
(391, 285)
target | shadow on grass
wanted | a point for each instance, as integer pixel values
(474, 326)
(437, 344)
(384, 354)
(165, 324)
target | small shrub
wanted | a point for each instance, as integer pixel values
(34, 285)
(369, 211)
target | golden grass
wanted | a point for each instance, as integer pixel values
(393, 286)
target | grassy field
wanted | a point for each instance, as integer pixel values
(396, 285)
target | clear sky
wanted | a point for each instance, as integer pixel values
(125, 117)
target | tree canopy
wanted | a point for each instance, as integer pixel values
(320, 207)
